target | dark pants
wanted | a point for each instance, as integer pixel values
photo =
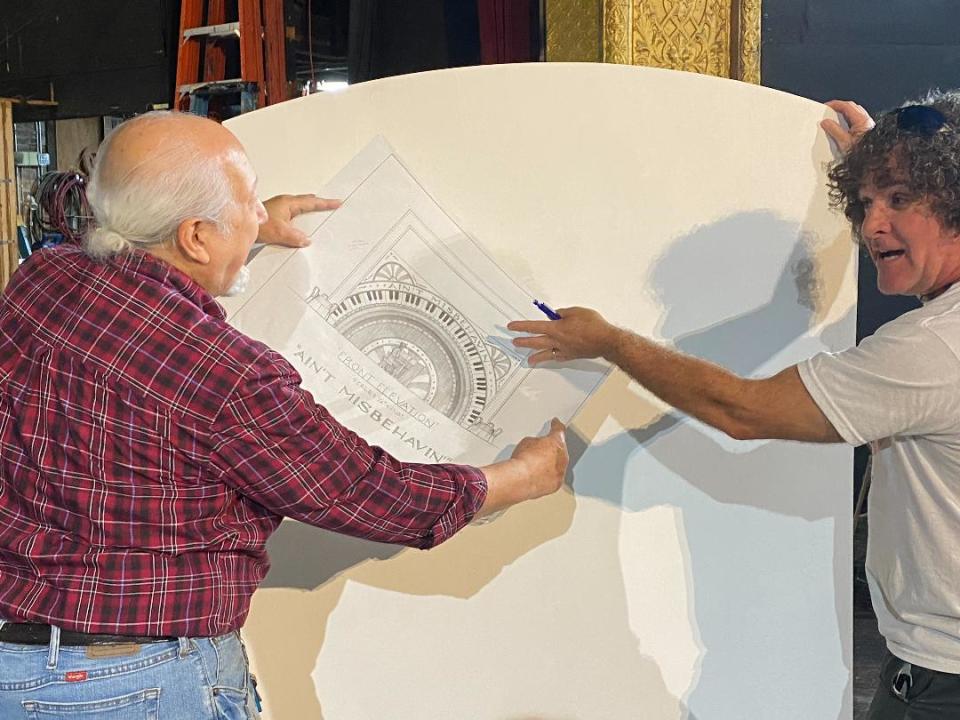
(910, 692)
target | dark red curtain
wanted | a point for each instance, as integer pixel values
(506, 30)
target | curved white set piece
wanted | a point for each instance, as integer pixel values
(683, 574)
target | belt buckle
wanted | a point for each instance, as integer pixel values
(902, 681)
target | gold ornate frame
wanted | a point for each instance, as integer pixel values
(713, 37)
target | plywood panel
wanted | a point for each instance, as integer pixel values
(8, 196)
(73, 137)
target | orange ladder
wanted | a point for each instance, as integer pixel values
(258, 32)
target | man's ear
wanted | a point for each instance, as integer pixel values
(193, 238)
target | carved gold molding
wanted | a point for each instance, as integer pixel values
(748, 41)
(714, 37)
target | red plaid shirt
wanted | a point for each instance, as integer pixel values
(148, 449)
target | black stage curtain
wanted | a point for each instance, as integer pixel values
(393, 37)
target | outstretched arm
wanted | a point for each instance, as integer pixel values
(775, 407)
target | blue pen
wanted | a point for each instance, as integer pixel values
(547, 310)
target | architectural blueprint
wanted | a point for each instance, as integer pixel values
(395, 318)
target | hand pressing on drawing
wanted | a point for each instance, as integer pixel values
(278, 230)
(579, 333)
(536, 468)
(858, 121)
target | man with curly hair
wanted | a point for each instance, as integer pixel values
(899, 390)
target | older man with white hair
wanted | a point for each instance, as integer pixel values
(148, 449)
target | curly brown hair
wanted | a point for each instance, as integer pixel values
(928, 163)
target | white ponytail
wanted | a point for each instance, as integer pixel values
(102, 243)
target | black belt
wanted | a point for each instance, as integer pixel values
(39, 634)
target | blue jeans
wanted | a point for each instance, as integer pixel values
(185, 679)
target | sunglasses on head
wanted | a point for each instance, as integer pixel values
(920, 119)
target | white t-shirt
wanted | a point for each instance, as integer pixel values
(899, 390)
